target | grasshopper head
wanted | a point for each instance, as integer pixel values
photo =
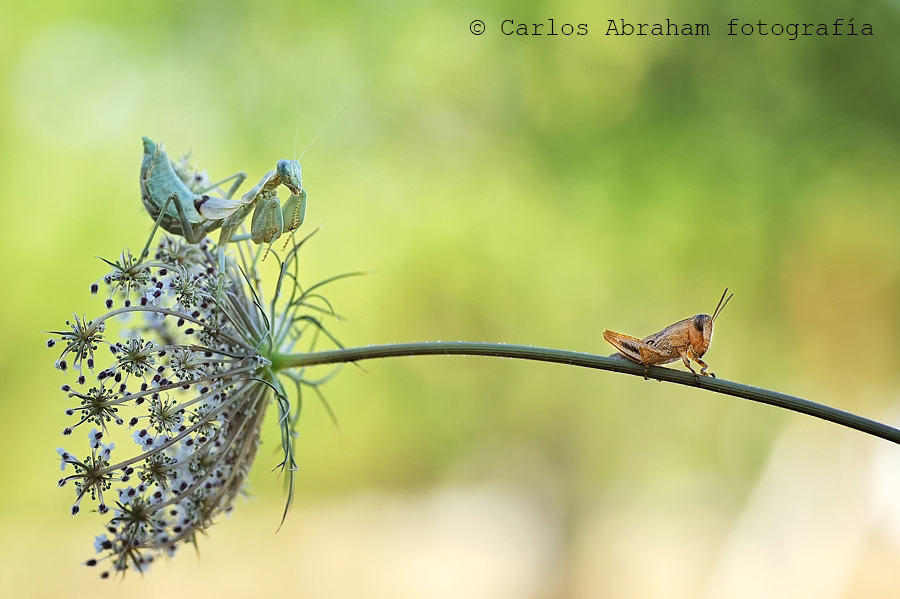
(700, 331)
(289, 171)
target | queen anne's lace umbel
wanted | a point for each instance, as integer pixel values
(190, 383)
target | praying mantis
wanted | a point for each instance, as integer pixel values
(178, 202)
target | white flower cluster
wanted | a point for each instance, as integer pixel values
(189, 386)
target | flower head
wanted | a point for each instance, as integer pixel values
(189, 385)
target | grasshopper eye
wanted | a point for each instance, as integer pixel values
(700, 321)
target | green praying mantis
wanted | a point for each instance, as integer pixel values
(179, 203)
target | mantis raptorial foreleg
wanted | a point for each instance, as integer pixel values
(271, 220)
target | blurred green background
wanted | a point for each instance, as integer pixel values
(530, 190)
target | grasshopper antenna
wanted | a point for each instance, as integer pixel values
(722, 303)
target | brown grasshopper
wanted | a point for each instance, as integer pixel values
(687, 339)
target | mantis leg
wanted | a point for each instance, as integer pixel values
(238, 177)
(238, 180)
(294, 213)
(224, 237)
(190, 234)
(187, 229)
(155, 227)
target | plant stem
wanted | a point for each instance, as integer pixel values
(613, 363)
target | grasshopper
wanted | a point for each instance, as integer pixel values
(178, 201)
(687, 339)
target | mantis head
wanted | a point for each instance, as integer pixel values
(289, 171)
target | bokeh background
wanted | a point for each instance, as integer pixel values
(522, 189)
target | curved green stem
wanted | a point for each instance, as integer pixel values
(614, 364)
